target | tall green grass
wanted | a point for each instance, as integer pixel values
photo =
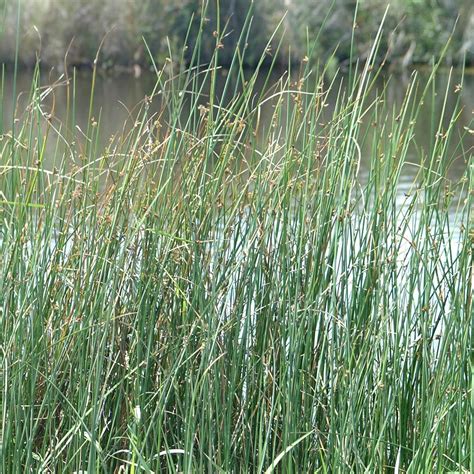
(214, 293)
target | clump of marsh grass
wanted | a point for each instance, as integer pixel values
(215, 293)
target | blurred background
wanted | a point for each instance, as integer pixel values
(315, 34)
(415, 32)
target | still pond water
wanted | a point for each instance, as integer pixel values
(116, 98)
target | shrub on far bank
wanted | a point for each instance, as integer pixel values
(415, 30)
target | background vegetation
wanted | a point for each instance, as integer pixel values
(417, 30)
(216, 292)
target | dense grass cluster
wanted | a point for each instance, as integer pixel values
(211, 293)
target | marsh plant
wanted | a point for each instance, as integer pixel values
(210, 292)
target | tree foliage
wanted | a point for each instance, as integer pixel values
(414, 31)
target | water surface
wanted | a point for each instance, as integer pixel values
(118, 97)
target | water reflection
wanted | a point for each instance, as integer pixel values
(117, 97)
